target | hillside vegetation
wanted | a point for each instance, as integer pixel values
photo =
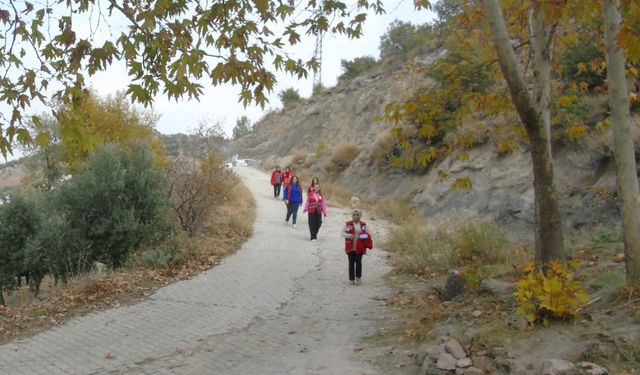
(428, 137)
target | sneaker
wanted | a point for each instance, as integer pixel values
(352, 282)
(358, 280)
(286, 222)
(294, 226)
(313, 240)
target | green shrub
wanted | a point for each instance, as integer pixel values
(576, 59)
(318, 88)
(115, 203)
(402, 38)
(321, 148)
(289, 97)
(18, 221)
(354, 68)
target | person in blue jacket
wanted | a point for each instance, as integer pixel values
(293, 199)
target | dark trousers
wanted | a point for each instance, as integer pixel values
(355, 265)
(315, 222)
(276, 190)
(292, 209)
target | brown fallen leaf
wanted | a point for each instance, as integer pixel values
(358, 349)
(109, 355)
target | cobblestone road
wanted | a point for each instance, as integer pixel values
(280, 305)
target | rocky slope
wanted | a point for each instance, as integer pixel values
(502, 185)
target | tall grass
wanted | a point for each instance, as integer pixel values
(476, 244)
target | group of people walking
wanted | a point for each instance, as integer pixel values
(357, 238)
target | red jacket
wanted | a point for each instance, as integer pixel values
(273, 177)
(363, 243)
(286, 177)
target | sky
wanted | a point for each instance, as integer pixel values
(220, 104)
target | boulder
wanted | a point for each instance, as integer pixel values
(592, 369)
(453, 347)
(446, 362)
(453, 288)
(558, 367)
(464, 363)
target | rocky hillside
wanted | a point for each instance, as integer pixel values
(502, 185)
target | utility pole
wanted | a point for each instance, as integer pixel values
(317, 55)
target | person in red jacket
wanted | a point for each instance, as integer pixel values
(356, 242)
(286, 177)
(276, 181)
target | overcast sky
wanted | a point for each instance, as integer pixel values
(221, 103)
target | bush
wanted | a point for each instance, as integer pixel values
(402, 38)
(318, 88)
(289, 97)
(18, 221)
(552, 295)
(342, 157)
(114, 204)
(359, 65)
(576, 61)
(194, 189)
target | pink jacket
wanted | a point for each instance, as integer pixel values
(315, 202)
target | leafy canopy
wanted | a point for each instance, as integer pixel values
(466, 86)
(168, 47)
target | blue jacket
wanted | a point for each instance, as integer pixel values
(293, 193)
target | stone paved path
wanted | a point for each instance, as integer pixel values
(280, 305)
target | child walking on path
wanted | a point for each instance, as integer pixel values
(356, 242)
(293, 199)
(316, 206)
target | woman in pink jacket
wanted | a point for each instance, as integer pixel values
(316, 206)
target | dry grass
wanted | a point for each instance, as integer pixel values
(336, 195)
(341, 158)
(383, 147)
(394, 210)
(298, 160)
(601, 142)
(227, 228)
(479, 245)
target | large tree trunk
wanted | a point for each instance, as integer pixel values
(623, 142)
(549, 241)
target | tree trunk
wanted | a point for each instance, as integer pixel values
(2, 303)
(549, 241)
(623, 142)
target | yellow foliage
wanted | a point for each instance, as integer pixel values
(91, 121)
(552, 295)
(576, 132)
(567, 100)
(506, 145)
(462, 183)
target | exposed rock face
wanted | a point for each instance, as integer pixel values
(502, 184)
